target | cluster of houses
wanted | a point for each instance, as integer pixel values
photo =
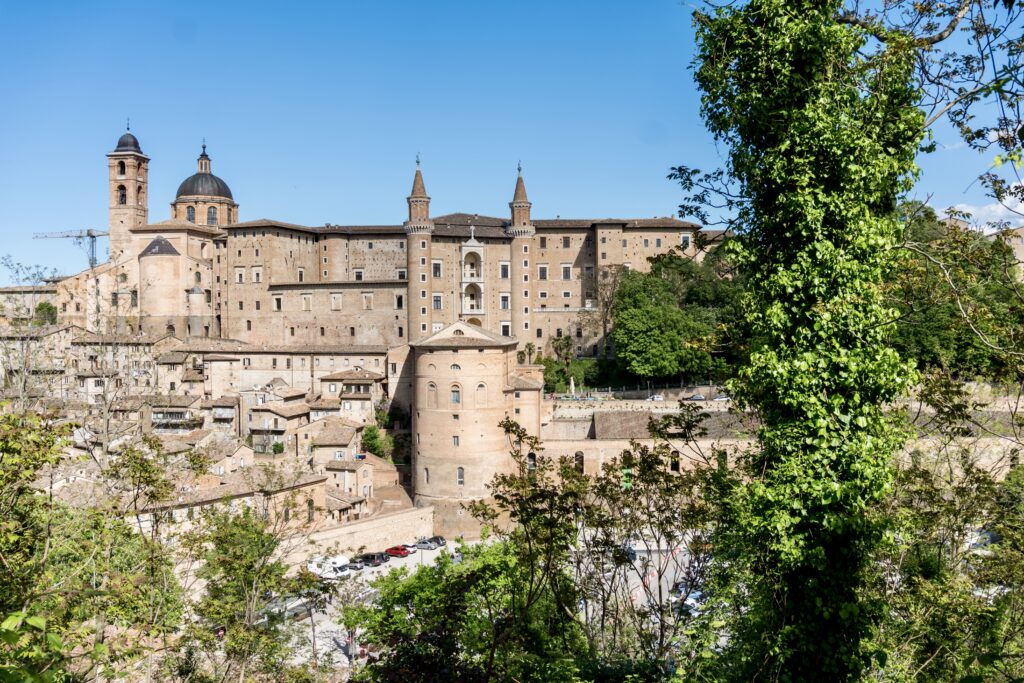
(276, 423)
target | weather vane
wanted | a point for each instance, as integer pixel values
(519, 167)
(417, 159)
(128, 123)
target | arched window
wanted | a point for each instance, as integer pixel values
(460, 476)
(431, 395)
(426, 475)
(674, 461)
(120, 168)
(481, 395)
(456, 367)
(190, 214)
(199, 278)
(138, 195)
(211, 215)
(578, 462)
(456, 395)
(531, 461)
(170, 330)
(122, 194)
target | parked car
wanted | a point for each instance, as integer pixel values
(656, 397)
(438, 541)
(374, 559)
(411, 547)
(426, 544)
(397, 551)
(696, 397)
(356, 564)
(722, 397)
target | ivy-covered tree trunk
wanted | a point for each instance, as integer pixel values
(821, 142)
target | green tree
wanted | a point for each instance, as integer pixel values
(378, 442)
(820, 160)
(45, 314)
(241, 630)
(661, 341)
(820, 106)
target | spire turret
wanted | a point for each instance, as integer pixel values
(419, 204)
(520, 206)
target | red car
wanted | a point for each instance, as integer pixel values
(397, 551)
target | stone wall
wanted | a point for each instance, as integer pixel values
(376, 533)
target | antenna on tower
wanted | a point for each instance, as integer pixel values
(519, 167)
(128, 123)
(417, 159)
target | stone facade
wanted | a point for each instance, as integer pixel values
(428, 313)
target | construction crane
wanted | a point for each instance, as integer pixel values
(79, 236)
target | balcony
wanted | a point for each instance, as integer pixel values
(472, 308)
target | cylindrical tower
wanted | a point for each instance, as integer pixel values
(419, 231)
(461, 395)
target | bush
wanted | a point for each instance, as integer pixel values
(277, 448)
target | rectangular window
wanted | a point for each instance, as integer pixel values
(566, 294)
(543, 295)
(248, 326)
(240, 275)
(506, 329)
(542, 272)
(435, 268)
(359, 275)
(399, 302)
(336, 301)
(540, 333)
(566, 271)
(684, 241)
(565, 242)
(302, 274)
(505, 299)
(543, 242)
(257, 305)
(455, 442)
(241, 305)
(647, 242)
(436, 302)
(402, 274)
(257, 275)
(657, 242)
(623, 243)
(503, 269)
(277, 303)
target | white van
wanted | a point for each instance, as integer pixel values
(334, 567)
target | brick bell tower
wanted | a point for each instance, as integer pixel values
(419, 230)
(128, 171)
(521, 230)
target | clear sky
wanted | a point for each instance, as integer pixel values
(314, 112)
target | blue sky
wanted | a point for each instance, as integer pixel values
(314, 112)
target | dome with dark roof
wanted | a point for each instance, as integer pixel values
(128, 143)
(205, 185)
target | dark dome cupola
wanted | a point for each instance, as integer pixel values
(203, 198)
(204, 183)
